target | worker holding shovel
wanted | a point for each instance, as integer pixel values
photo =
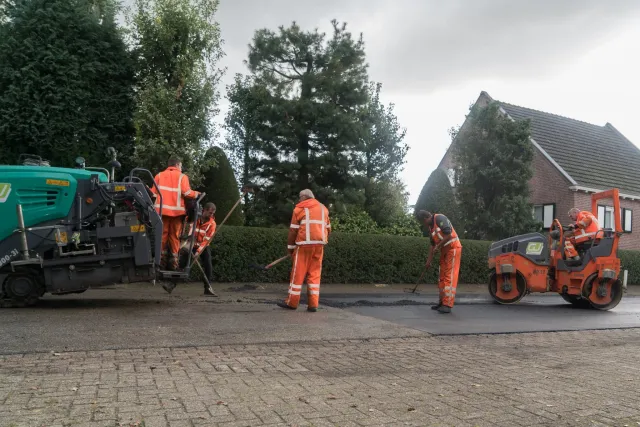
(443, 238)
(205, 228)
(308, 233)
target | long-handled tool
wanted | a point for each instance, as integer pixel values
(268, 266)
(246, 189)
(418, 282)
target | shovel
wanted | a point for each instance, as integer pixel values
(413, 291)
(268, 266)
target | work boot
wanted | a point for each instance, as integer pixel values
(437, 306)
(444, 309)
(209, 292)
(312, 309)
(169, 286)
(283, 305)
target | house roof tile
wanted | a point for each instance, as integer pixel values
(594, 156)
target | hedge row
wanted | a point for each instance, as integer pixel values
(349, 258)
(353, 258)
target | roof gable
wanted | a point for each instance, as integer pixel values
(593, 156)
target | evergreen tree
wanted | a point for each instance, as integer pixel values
(437, 196)
(221, 186)
(66, 82)
(382, 153)
(494, 156)
(177, 46)
(307, 128)
(242, 138)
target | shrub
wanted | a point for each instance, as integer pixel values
(353, 258)
(349, 257)
(630, 260)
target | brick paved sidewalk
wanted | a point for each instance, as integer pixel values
(550, 379)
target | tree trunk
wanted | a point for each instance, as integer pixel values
(303, 133)
(245, 181)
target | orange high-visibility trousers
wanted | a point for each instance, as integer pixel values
(569, 248)
(307, 264)
(171, 229)
(449, 270)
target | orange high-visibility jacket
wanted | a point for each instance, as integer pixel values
(174, 187)
(440, 227)
(587, 227)
(311, 219)
(204, 233)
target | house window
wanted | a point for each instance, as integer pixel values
(544, 214)
(627, 219)
(605, 218)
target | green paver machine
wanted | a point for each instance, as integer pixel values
(64, 230)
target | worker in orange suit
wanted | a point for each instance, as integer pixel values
(174, 187)
(444, 239)
(308, 233)
(205, 228)
(583, 232)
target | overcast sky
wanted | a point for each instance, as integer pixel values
(577, 58)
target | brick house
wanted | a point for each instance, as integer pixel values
(563, 178)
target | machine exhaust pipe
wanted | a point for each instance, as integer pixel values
(24, 246)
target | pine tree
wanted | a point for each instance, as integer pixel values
(307, 127)
(66, 82)
(242, 139)
(382, 154)
(221, 186)
(493, 157)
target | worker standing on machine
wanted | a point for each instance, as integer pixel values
(583, 232)
(174, 187)
(308, 233)
(444, 238)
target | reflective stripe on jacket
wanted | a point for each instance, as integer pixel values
(204, 233)
(587, 227)
(311, 219)
(440, 227)
(174, 187)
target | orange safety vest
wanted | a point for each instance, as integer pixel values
(205, 231)
(311, 219)
(587, 227)
(174, 187)
(437, 236)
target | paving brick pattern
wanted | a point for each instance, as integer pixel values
(546, 379)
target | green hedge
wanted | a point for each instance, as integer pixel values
(349, 258)
(630, 260)
(353, 258)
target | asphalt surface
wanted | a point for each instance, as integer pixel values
(144, 316)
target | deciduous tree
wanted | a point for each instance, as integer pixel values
(177, 46)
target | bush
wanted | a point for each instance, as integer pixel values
(349, 258)
(630, 260)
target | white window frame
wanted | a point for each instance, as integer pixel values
(624, 212)
(548, 214)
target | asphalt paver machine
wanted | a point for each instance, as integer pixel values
(536, 263)
(65, 230)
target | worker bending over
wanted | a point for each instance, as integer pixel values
(444, 238)
(582, 233)
(308, 233)
(205, 228)
(174, 187)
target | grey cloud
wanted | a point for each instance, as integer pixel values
(424, 45)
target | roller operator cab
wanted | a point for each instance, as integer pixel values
(64, 230)
(536, 263)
